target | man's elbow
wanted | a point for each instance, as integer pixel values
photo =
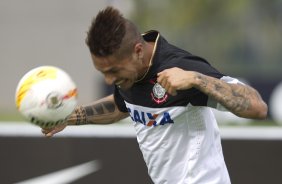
(261, 111)
(257, 111)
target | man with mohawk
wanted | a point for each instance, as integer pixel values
(168, 93)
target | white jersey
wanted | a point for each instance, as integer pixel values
(187, 151)
(178, 135)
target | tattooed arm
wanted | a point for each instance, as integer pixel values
(239, 99)
(103, 111)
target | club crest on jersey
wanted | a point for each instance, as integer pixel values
(159, 94)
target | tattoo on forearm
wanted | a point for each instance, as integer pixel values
(217, 87)
(78, 116)
(91, 113)
(236, 98)
(204, 82)
(100, 108)
(239, 100)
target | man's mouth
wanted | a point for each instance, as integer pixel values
(118, 83)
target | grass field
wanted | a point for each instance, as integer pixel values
(11, 117)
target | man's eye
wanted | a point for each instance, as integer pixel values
(113, 71)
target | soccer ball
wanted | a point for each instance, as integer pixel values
(46, 95)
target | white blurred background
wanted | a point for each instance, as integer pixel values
(40, 32)
(240, 38)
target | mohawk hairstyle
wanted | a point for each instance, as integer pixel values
(106, 32)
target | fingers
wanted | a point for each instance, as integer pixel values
(172, 91)
(165, 81)
(174, 79)
(162, 79)
(49, 132)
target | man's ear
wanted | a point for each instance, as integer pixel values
(139, 50)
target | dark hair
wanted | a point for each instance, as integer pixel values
(108, 31)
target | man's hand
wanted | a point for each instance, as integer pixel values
(49, 132)
(103, 111)
(76, 116)
(174, 79)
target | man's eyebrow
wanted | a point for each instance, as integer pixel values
(109, 70)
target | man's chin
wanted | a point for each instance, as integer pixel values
(125, 86)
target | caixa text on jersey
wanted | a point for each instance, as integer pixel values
(150, 119)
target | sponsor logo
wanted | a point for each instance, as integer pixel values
(150, 119)
(54, 100)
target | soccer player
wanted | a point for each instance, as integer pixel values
(168, 93)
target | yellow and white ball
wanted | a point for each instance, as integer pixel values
(46, 95)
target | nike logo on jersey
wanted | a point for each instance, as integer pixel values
(150, 119)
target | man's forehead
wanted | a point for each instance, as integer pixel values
(100, 60)
(104, 63)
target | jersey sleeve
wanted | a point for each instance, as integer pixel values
(198, 64)
(119, 100)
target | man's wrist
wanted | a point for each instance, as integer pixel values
(78, 117)
(199, 80)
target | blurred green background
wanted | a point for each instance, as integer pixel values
(240, 38)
